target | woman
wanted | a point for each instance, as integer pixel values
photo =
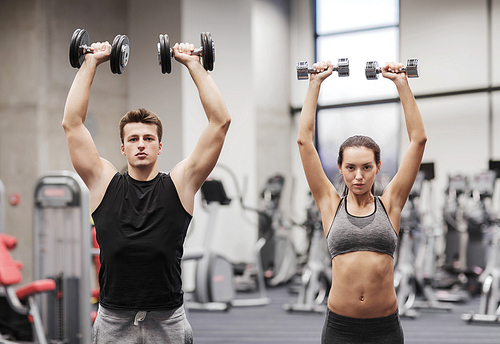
(361, 229)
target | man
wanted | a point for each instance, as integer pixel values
(141, 216)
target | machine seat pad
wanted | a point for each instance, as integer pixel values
(34, 287)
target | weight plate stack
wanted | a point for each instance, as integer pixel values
(164, 56)
(371, 70)
(211, 49)
(76, 57)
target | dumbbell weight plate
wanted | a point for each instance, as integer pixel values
(121, 54)
(113, 56)
(164, 57)
(204, 46)
(371, 70)
(80, 37)
(208, 53)
(412, 68)
(73, 52)
(211, 47)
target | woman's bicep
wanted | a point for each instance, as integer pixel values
(322, 189)
(398, 190)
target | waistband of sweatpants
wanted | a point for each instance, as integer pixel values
(130, 314)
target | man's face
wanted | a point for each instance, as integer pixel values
(140, 144)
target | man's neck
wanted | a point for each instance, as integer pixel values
(144, 173)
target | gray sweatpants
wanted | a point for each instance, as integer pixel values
(131, 327)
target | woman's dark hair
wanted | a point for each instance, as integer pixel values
(359, 141)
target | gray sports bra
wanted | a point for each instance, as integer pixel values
(350, 233)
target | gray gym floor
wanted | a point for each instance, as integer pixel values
(271, 324)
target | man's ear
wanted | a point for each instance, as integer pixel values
(160, 148)
(123, 150)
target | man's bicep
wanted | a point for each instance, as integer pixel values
(84, 155)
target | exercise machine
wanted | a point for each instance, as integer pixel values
(214, 286)
(316, 276)
(62, 242)
(214, 279)
(489, 310)
(22, 301)
(278, 256)
(466, 214)
(413, 272)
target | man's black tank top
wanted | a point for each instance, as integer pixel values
(141, 227)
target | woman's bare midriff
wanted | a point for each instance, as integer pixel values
(363, 285)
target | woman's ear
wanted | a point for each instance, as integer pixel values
(378, 166)
(340, 169)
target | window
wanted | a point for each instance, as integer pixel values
(361, 30)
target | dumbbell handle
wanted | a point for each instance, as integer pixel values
(380, 71)
(84, 49)
(197, 52)
(313, 71)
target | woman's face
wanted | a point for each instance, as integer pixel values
(359, 169)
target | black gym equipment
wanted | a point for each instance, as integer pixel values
(206, 52)
(80, 45)
(316, 276)
(412, 69)
(303, 69)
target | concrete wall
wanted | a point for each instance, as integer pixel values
(35, 80)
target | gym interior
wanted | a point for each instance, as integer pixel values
(453, 227)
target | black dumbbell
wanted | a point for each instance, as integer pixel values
(412, 69)
(206, 52)
(80, 45)
(303, 69)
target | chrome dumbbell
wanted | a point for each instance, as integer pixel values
(303, 69)
(412, 69)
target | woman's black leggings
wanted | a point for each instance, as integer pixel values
(339, 329)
